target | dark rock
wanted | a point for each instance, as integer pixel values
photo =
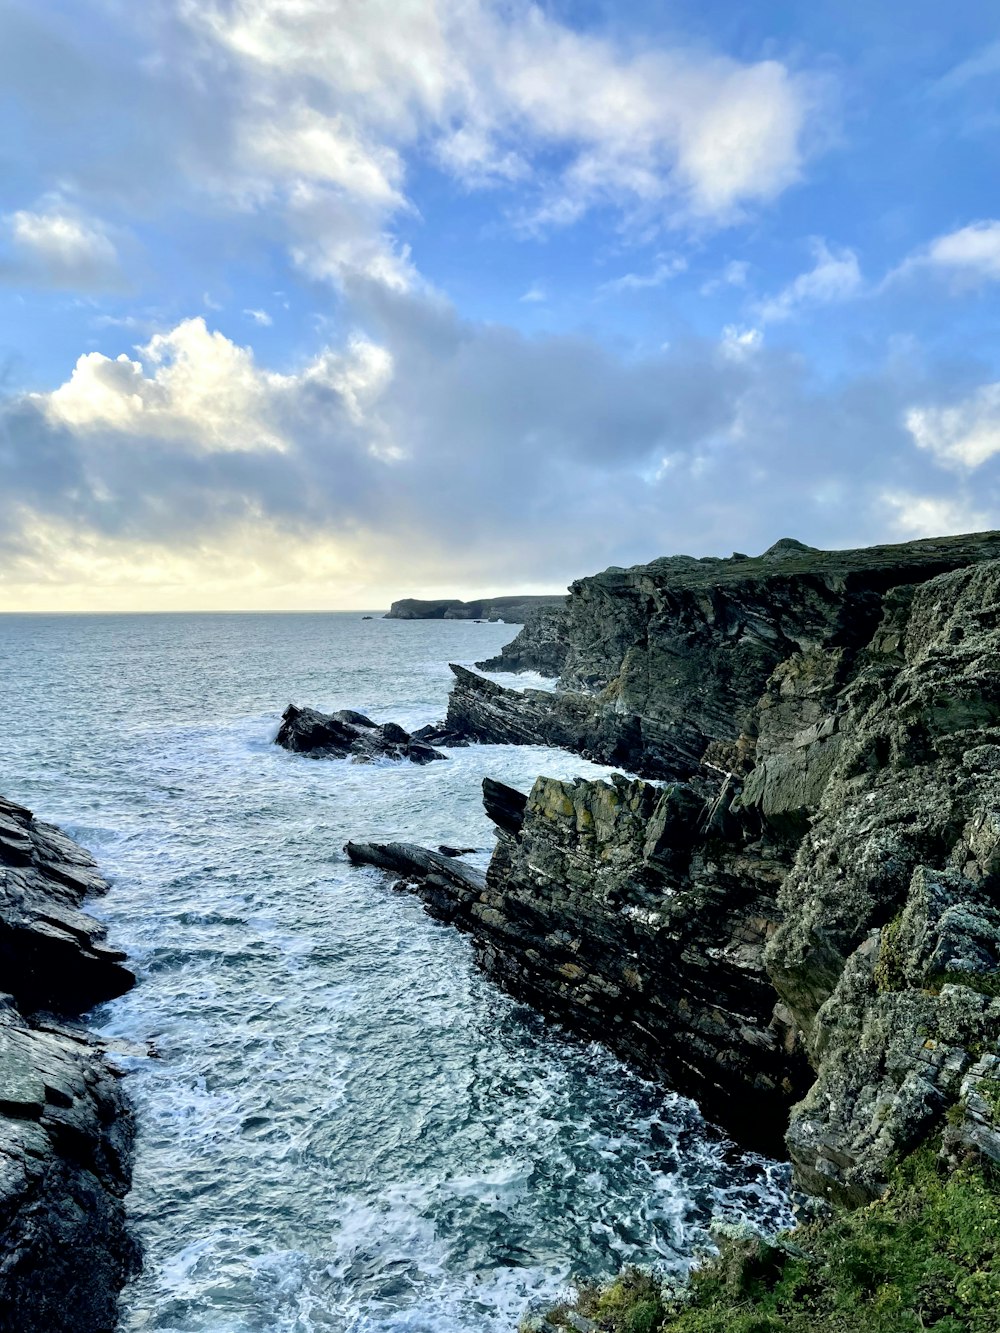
(542, 645)
(66, 1128)
(445, 886)
(445, 850)
(664, 659)
(504, 805)
(347, 733)
(802, 929)
(512, 610)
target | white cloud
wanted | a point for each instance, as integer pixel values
(536, 294)
(259, 317)
(58, 246)
(733, 275)
(667, 267)
(834, 277)
(738, 343)
(500, 94)
(200, 391)
(912, 515)
(965, 435)
(968, 256)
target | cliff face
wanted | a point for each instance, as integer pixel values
(514, 610)
(664, 658)
(802, 928)
(65, 1125)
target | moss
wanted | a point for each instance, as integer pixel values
(888, 973)
(925, 1257)
(984, 983)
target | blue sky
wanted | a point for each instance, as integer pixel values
(314, 304)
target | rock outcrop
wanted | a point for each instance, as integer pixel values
(664, 658)
(348, 734)
(802, 927)
(513, 610)
(542, 644)
(65, 1125)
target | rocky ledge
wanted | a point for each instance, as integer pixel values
(659, 660)
(513, 610)
(801, 927)
(349, 734)
(65, 1124)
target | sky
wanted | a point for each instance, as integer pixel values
(314, 304)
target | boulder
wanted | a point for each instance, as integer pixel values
(348, 734)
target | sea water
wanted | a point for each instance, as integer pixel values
(342, 1125)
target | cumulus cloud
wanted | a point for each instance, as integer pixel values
(835, 276)
(432, 449)
(57, 246)
(964, 435)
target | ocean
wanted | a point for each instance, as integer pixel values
(341, 1124)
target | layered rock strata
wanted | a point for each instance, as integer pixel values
(662, 659)
(513, 610)
(65, 1124)
(348, 734)
(803, 929)
(542, 644)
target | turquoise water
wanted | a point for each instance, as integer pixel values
(344, 1126)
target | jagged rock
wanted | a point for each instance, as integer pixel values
(513, 610)
(53, 956)
(66, 1127)
(824, 883)
(446, 886)
(607, 905)
(542, 645)
(664, 659)
(347, 733)
(504, 805)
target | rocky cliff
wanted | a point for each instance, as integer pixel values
(65, 1125)
(514, 610)
(662, 659)
(801, 926)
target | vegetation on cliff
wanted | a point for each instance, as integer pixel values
(923, 1258)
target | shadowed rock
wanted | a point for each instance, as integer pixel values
(348, 734)
(66, 1128)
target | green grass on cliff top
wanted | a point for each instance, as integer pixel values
(924, 1257)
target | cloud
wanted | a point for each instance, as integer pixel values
(61, 247)
(535, 294)
(667, 267)
(834, 277)
(965, 435)
(204, 394)
(733, 275)
(259, 317)
(912, 516)
(969, 256)
(427, 448)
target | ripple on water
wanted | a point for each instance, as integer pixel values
(346, 1127)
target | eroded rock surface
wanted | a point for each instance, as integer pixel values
(542, 645)
(803, 928)
(66, 1128)
(348, 734)
(662, 659)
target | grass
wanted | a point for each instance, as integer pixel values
(925, 1258)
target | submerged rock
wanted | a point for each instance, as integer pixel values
(349, 734)
(66, 1128)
